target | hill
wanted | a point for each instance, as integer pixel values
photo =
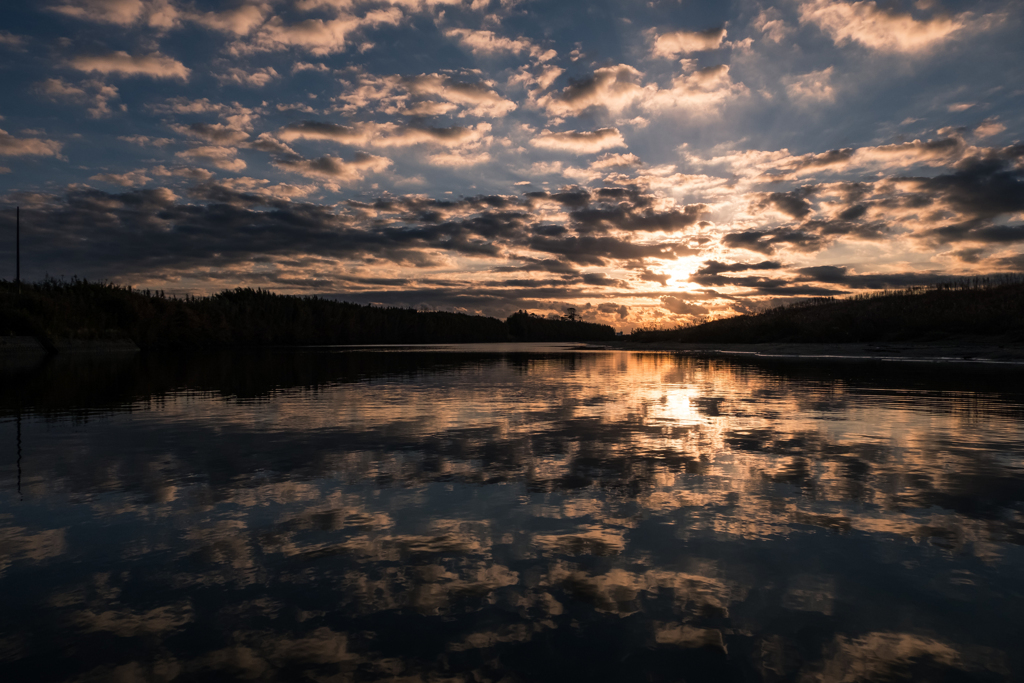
(973, 308)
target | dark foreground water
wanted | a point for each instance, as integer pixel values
(493, 515)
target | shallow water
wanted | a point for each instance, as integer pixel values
(515, 513)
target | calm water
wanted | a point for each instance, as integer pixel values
(490, 514)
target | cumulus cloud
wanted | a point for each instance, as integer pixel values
(430, 94)
(478, 98)
(320, 37)
(257, 78)
(335, 169)
(488, 42)
(988, 128)
(458, 158)
(384, 134)
(620, 87)
(123, 12)
(614, 88)
(770, 23)
(683, 306)
(222, 157)
(240, 20)
(671, 45)
(14, 146)
(882, 29)
(127, 179)
(145, 140)
(11, 40)
(811, 88)
(154, 65)
(94, 93)
(581, 142)
(217, 133)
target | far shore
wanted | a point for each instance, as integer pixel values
(974, 351)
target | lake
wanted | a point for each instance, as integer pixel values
(508, 513)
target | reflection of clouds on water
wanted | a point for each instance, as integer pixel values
(355, 526)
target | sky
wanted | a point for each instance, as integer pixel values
(648, 163)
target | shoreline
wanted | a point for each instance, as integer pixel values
(970, 352)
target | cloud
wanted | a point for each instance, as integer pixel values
(335, 169)
(306, 66)
(319, 37)
(487, 42)
(221, 157)
(384, 134)
(620, 87)
(702, 91)
(479, 99)
(415, 95)
(92, 92)
(770, 23)
(614, 88)
(257, 78)
(458, 159)
(988, 128)
(811, 88)
(239, 21)
(582, 142)
(671, 45)
(880, 29)
(154, 65)
(10, 40)
(681, 306)
(212, 132)
(145, 140)
(12, 146)
(127, 179)
(122, 12)
(198, 174)
(526, 78)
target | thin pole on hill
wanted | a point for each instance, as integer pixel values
(17, 248)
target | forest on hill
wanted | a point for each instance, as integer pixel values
(78, 309)
(967, 307)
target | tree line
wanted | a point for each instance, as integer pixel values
(79, 309)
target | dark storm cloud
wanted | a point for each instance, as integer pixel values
(601, 280)
(975, 231)
(834, 157)
(222, 234)
(793, 203)
(982, 187)
(100, 234)
(650, 276)
(621, 311)
(830, 274)
(625, 217)
(574, 199)
(766, 241)
(716, 267)
(809, 236)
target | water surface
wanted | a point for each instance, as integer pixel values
(513, 513)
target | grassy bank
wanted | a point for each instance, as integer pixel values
(973, 307)
(79, 309)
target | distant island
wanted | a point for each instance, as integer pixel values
(975, 307)
(55, 311)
